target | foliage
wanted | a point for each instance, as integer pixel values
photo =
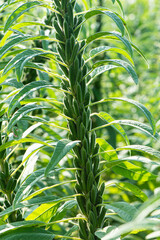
(68, 169)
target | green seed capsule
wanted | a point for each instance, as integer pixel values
(83, 228)
(64, 69)
(70, 13)
(82, 131)
(85, 144)
(72, 77)
(72, 128)
(76, 107)
(88, 166)
(83, 178)
(92, 219)
(74, 54)
(58, 29)
(79, 93)
(93, 141)
(57, 3)
(67, 50)
(88, 205)
(83, 156)
(101, 217)
(90, 181)
(93, 194)
(61, 53)
(66, 29)
(101, 189)
(81, 203)
(64, 4)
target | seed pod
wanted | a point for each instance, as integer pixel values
(78, 188)
(72, 128)
(67, 50)
(79, 77)
(96, 149)
(57, 28)
(81, 204)
(101, 217)
(76, 66)
(67, 113)
(85, 144)
(76, 107)
(93, 142)
(72, 42)
(83, 156)
(88, 166)
(6, 169)
(92, 219)
(83, 87)
(72, 77)
(88, 205)
(91, 236)
(60, 19)
(61, 53)
(83, 228)
(70, 13)
(90, 181)
(79, 93)
(66, 29)
(76, 162)
(74, 53)
(101, 189)
(82, 131)
(93, 194)
(64, 69)
(64, 4)
(77, 151)
(87, 99)
(85, 118)
(9, 186)
(57, 3)
(84, 180)
(59, 37)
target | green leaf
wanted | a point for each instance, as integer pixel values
(126, 186)
(106, 150)
(31, 233)
(23, 140)
(137, 104)
(143, 127)
(18, 12)
(133, 172)
(107, 118)
(43, 213)
(18, 225)
(110, 14)
(141, 148)
(62, 148)
(24, 190)
(22, 58)
(62, 210)
(123, 64)
(125, 210)
(110, 35)
(22, 112)
(98, 50)
(36, 201)
(99, 70)
(25, 91)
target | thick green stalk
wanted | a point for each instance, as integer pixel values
(80, 123)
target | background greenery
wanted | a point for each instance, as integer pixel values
(143, 23)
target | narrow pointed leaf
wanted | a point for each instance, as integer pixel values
(22, 112)
(111, 35)
(62, 148)
(125, 210)
(133, 189)
(110, 14)
(18, 12)
(123, 64)
(25, 91)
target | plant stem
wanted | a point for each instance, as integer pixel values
(76, 108)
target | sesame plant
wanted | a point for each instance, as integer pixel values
(53, 166)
